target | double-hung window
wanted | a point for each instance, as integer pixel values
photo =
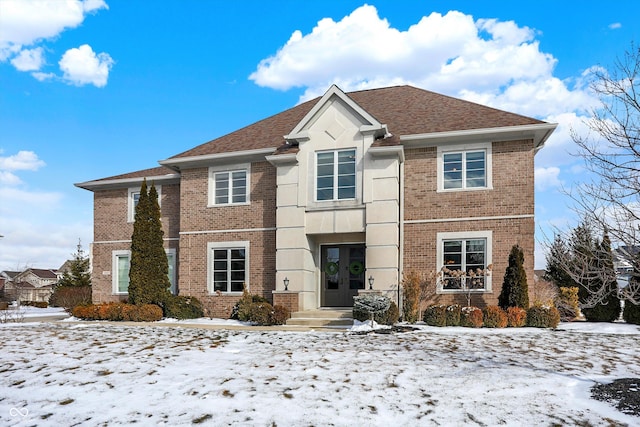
(336, 175)
(134, 197)
(229, 187)
(228, 266)
(465, 261)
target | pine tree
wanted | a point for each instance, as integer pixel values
(557, 258)
(515, 290)
(607, 308)
(149, 269)
(78, 274)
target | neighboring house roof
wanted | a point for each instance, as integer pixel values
(10, 274)
(43, 274)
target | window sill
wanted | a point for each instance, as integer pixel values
(225, 294)
(462, 291)
(226, 205)
(459, 190)
(333, 205)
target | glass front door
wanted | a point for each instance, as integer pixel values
(342, 271)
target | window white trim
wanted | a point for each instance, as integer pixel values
(464, 235)
(131, 206)
(244, 244)
(464, 148)
(115, 255)
(335, 185)
(213, 170)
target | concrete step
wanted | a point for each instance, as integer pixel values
(336, 318)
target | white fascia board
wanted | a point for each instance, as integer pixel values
(388, 152)
(538, 132)
(172, 178)
(218, 158)
(333, 90)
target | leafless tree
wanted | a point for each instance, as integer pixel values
(610, 201)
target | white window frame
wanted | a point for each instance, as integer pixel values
(464, 235)
(213, 170)
(228, 245)
(114, 270)
(131, 206)
(335, 175)
(463, 149)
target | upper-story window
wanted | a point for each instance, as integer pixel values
(336, 175)
(228, 187)
(464, 168)
(133, 199)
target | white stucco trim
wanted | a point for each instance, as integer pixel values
(234, 230)
(466, 219)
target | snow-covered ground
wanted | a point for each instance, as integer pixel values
(87, 374)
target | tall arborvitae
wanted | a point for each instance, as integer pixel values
(515, 290)
(149, 270)
(631, 312)
(607, 308)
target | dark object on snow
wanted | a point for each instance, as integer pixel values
(623, 393)
(386, 331)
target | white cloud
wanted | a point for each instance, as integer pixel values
(24, 160)
(28, 59)
(27, 23)
(8, 178)
(546, 178)
(82, 66)
(615, 26)
(486, 60)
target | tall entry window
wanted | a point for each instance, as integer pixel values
(336, 175)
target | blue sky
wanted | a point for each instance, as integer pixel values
(97, 88)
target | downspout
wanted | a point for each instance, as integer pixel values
(401, 232)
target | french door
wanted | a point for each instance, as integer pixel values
(342, 274)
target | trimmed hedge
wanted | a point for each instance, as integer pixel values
(516, 317)
(118, 312)
(543, 317)
(494, 317)
(631, 313)
(453, 315)
(471, 317)
(183, 307)
(435, 315)
(388, 317)
(256, 309)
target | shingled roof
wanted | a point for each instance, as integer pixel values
(405, 110)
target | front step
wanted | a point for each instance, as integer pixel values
(322, 318)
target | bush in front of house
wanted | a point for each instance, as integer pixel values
(36, 304)
(494, 317)
(280, 315)
(242, 309)
(568, 303)
(453, 315)
(385, 310)
(183, 307)
(516, 317)
(69, 297)
(540, 316)
(435, 315)
(631, 313)
(257, 310)
(471, 317)
(118, 312)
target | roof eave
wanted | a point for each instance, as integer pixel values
(538, 132)
(108, 184)
(231, 157)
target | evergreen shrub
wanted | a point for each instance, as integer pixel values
(36, 304)
(631, 313)
(516, 317)
(543, 317)
(607, 311)
(471, 317)
(183, 307)
(515, 290)
(453, 315)
(389, 316)
(435, 315)
(411, 296)
(242, 309)
(494, 317)
(280, 315)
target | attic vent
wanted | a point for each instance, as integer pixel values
(335, 130)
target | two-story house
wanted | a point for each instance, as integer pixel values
(333, 197)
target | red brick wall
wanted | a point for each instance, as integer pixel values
(201, 222)
(113, 232)
(512, 194)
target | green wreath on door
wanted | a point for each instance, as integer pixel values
(331, 268)
(356, 267)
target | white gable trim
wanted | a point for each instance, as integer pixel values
(299, 132)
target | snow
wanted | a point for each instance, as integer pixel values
(101, 373)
